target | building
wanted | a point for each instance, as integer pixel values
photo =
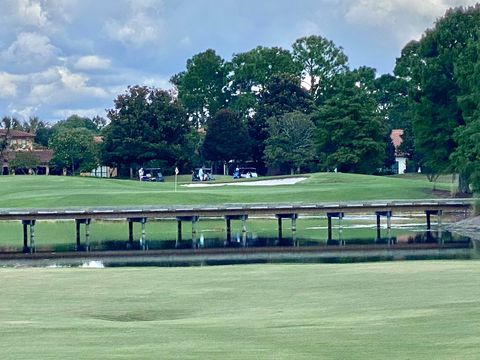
(400, 156)
(22, 142)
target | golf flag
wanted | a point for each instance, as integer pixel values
(176, 171)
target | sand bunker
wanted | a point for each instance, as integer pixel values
(273, 182)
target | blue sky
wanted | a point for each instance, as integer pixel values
(60, 57)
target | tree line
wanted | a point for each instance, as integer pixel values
(305, 109)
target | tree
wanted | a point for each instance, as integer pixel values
(146, 124)
(226, 138)
(428, 67)
(75, 121)
(290, 141)
(202, 86)
(74, 149)
(321, 61)
(466, 157)
(252, 71)
(351, 132)
(25, 160)
(282, 95)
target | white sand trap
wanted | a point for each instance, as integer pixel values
(273, 182)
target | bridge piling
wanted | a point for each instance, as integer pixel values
(78, 223)
(243, 218)
(30, 225)
(331, 215)
(142, 221)
(293, 217)
(193, 219)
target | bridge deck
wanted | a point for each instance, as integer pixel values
(410, 206)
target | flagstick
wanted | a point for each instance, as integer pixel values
(175, 182)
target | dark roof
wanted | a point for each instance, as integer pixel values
(44, 155)
(17, 134)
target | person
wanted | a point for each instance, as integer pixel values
(141, 173)
(236, 174)
(200, 174)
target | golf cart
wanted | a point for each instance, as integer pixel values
(151, 174)
(202, 174)
(245, 173)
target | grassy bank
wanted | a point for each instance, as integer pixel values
(402, 310)
(54, 191)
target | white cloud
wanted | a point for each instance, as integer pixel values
(405, 19)
(59, 85)
(92, 62)
(8, 85)
(32, 13)
(90, 113)
(145, 24)
(31, 51)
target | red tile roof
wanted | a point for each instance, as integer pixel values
(396, 136)
(17, 134)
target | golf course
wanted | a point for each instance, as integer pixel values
(394, 310)
(60, 191)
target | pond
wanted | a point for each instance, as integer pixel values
(354, 238)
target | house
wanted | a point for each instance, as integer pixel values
(400, 156)
(16, 142)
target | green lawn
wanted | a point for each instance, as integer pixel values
(56, 191)
(397, 310)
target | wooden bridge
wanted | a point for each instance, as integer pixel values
(84, 216)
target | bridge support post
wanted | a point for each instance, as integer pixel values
(293, 217)
(26, 249)
(130, 232)
(280, 234)
(194, 220)
(143, 241)
(428, 214)
(331, 215)
(228, 229)
(78, 245)
(388, 215)
(243, 218)
(30, 225)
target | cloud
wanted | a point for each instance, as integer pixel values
(31, 51)
(92, 62)
(405, 19)
(60, 85)
(8, 86)
(144, 25)
(89, 112)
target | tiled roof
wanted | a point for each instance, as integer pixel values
(396, 136)
(44, 155)
(17, 134)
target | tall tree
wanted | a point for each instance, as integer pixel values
(227, 138)
(321, 61)
(428, 67)
(291, 141)
(282, 95)
(251, 72)
(146, 124)
(74, 149)
(466, 157)
(202, 87)
(351, 132)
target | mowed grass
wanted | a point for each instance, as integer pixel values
(56, 191)
(398, 310)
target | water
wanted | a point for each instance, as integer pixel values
(354, 239)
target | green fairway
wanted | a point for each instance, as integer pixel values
(56, 191)
(398, 310)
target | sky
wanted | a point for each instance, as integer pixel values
(64, 57)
